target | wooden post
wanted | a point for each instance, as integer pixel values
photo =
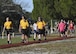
(51, 26)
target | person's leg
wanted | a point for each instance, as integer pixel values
(61, 34)
(72, 32)
(22, 37)
(9, 38)
(26, 39)
(39, 37)
(13, 34)
(66, 33)
(34, 36)
(44, 35)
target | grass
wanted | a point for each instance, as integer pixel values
(18, 39)
(14, 40)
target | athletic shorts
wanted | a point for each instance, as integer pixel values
(24, 31)
(35, 31)
(8, 31)
(40, 31)
(43, 32)
(62, 32)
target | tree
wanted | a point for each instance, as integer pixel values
(54, 9)
(73, 8)
(63, 7)
(44, 9)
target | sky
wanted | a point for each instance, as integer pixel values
(27, 5)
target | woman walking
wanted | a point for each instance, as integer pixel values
(8, 27)
(23, 29)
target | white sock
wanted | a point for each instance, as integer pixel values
(34, 35)
(39, 37)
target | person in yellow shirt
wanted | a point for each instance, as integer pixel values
(40, 26)
(23, 29)
(8, 28)
(44, 31)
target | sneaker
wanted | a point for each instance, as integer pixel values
(9, 42)
(22, 41)
(25, 41)
(39, 39)
(45, 39)
(34, 39)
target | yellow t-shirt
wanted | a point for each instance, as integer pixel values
(8, 24)
(24, 24)
(40, 25)
(22, 20)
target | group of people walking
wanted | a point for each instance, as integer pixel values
(65, 28)
(38, 27)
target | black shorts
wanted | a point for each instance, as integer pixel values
(8, 31)
(65, 29)
(40, 31)
(24, 31)
(43, 32)
(35, 31)
(62, 32)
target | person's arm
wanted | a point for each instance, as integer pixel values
(33, 27)
(11, 25)
(3, 32)
(74, 26)
(20, 26)
(3, 29)
(28, 24)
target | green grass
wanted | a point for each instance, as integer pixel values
(18, 39)
(14, 40)
(3, 41)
